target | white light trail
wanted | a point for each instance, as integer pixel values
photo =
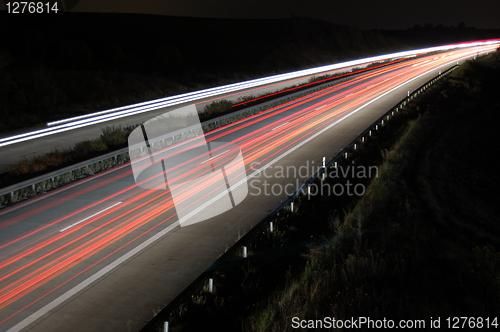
(120, 112)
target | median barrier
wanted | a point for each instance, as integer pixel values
(53, 180)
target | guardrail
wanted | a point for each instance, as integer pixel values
(41, 184)
(158, 321)
(343, 153)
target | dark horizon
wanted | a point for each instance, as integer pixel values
(366, 15)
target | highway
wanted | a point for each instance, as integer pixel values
(104, 254)
(65, 133)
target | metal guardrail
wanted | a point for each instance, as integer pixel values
(366, 132)
(54, 179)
(41, 184)
(156, 323)
(373, 126)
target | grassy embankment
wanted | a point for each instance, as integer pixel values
(420, 243)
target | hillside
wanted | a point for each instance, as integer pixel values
(427, 36)
(79, 62)
(67, 64)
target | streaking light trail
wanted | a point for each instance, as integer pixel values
(192, 97)
(45, 258)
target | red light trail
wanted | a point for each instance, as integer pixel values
(44, 254)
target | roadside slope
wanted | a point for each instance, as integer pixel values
(421, 242)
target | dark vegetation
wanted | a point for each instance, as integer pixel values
(115, 138)
(112, 138)
(77, 63)
(422, 242)
(430, 35)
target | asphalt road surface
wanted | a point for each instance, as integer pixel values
(103, 254)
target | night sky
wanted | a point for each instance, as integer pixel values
(380, 14)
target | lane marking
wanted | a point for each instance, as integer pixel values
(95, 214)
(220, 154)
(281, 125)
(87, 282)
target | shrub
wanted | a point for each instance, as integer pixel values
(112, 136)
(87, 147)
(217, 107)
(52, 159)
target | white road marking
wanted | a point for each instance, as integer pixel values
(281, 125)
(87, 282)
(95, 214)
(220, 154)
